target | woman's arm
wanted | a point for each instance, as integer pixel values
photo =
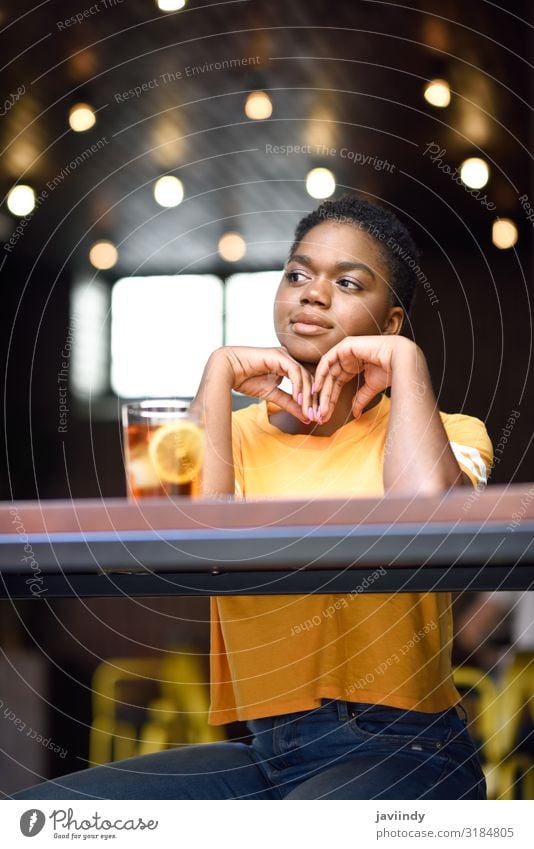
(418, 457)
(213, 406)
(252, 371)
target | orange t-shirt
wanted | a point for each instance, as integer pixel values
(279, 654)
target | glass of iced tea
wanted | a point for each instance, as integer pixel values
(163, 449)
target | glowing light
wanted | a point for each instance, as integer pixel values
(474, 172)
(473, 124)
(20, 157)
(170, 5)
(169, 191)
(21, 200)
(320, 183)
(438, 93)
(504, 233)
(232, 247)
(82, 117)
(166, 142)
(320, 128)
(103, 255)
(258, 106)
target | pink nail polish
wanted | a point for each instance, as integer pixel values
(310, 413)
(299, 398)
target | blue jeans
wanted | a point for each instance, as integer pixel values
(342, 750)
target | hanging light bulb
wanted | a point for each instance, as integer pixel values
(474, 172)
(437, 93)
(21, 200)
(258, 106)
(232, 247)
(170, 5)
(504, 233)
(168, 191)
(103, 255)
(81, 117)
(320, 183)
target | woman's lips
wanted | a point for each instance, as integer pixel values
(305, 329)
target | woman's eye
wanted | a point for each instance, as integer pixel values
(295, 276)
(346, 283)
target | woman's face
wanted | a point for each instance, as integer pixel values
(334, 285)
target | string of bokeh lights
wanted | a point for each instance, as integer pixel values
(169, 191)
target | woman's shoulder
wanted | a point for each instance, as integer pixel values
(468, 431)
(249, 414)
(463, 420)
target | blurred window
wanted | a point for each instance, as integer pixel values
(163, 330)
(88, 339)
(249, 309)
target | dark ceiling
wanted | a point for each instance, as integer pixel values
(347, 75)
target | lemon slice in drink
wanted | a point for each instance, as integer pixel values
(176, 450)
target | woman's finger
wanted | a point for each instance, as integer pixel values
(363, 397)
(286, 402)
(307, 397)
(323, 369)
(325, 404)
(337, 387)
(301, 385)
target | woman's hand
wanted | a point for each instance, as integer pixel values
(370, 357)
(259, 371)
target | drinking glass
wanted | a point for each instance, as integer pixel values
(163, 449)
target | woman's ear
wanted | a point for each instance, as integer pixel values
(394, 321)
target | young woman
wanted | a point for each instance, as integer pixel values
(358, 703)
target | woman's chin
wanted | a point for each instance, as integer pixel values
(302, 349)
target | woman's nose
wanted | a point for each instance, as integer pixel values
(316, 292)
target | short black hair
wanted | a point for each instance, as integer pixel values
(398, 249)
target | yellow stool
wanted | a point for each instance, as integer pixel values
(516, 702)
(172, 694)
(480, 699)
